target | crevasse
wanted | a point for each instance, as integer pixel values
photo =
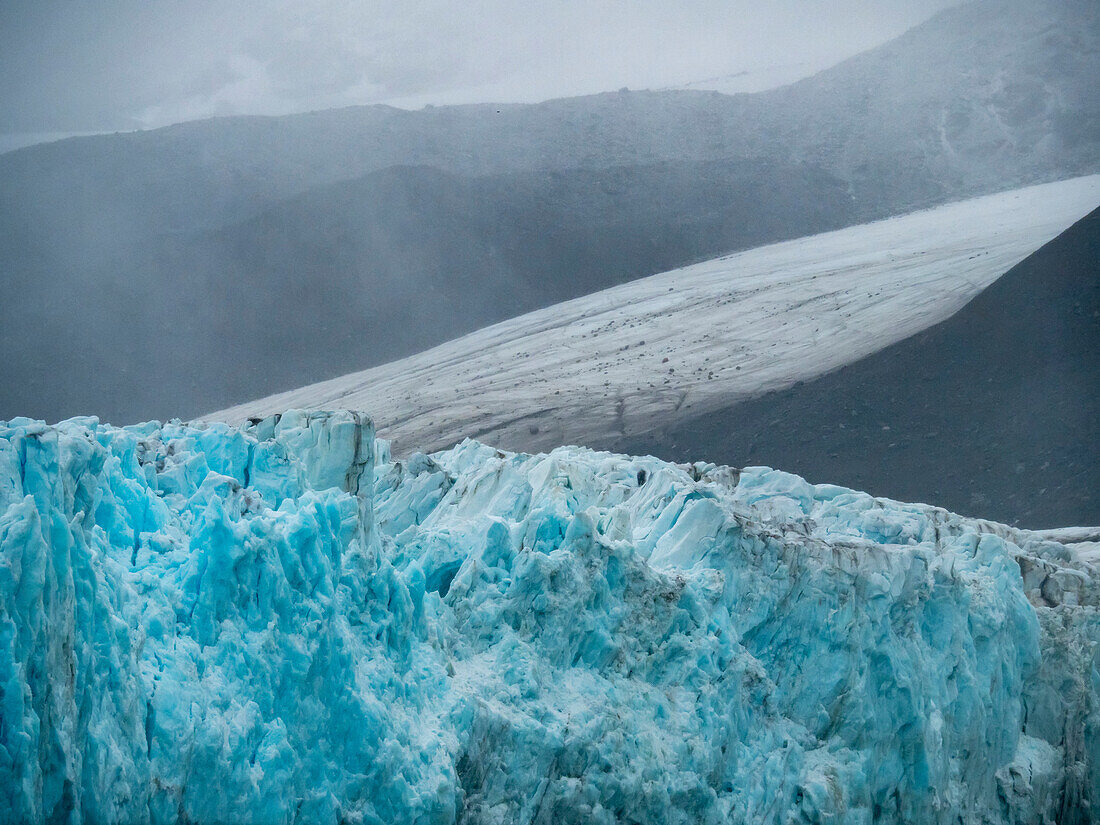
(281, 624)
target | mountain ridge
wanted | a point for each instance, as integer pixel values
(89, 273)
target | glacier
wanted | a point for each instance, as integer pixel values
(675, 345)
(279, 622)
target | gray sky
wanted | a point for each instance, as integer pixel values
(70, 66)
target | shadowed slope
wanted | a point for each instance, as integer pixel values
(365, 271)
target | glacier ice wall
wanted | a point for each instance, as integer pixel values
(281, 624)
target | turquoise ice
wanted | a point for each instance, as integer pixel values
(281, 624)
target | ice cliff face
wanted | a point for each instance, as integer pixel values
(280, 624)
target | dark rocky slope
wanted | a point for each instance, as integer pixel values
(994, 411)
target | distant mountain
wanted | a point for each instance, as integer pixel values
(226, 257)
(984, 95)
(995, 410)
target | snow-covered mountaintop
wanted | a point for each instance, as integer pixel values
(696, 338)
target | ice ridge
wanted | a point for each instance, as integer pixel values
(280, 623)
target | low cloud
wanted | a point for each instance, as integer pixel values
(128, 64)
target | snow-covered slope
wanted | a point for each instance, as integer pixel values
(680, 343)
(281, 625)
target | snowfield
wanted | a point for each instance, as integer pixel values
(698, 338)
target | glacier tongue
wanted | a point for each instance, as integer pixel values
(281, 624)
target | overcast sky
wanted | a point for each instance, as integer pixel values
(70, 66)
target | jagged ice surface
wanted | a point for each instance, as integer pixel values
(281, 624)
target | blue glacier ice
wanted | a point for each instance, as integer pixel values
(282, 624)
